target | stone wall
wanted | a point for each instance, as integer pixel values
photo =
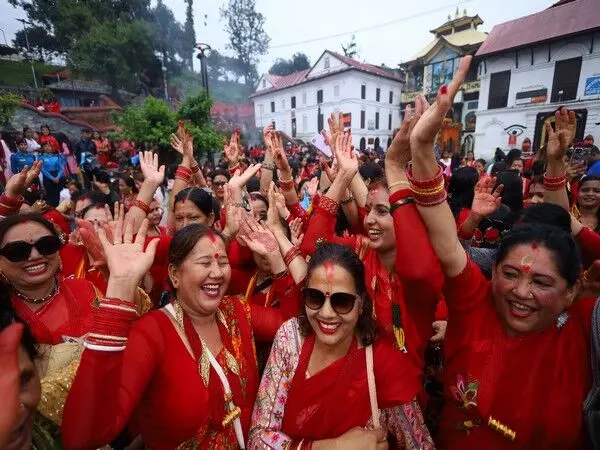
(27, 115)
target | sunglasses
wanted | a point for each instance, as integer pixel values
(19, 251)
(341, 302)
(219, 183)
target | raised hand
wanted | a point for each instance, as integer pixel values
(336, 127)
(313, 187)
(279, 155)
(232, 150)
(127, 260)
(560, 139)
(258, 238)
(267, 132)
(296, 231)
(486, 200)
(18, 183)
(346, 159)
(590, 282)
(398, 155)
(149, 165)
(239, 180)
(232, 213)
(425, 130)
(273, 217)
(176, 144)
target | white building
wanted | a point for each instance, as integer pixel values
(300, 103)
(529, 67)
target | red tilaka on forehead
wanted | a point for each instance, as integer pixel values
(329, 276)
(528, 260)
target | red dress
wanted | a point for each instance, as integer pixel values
(408, 296)
(154, 385)
(68, 314)
(534, 385)
(51, 140)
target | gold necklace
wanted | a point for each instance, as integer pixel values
(37, 301)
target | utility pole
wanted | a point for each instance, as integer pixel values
(203, 48)
(23, 21)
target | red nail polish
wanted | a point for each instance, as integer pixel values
(444, 89)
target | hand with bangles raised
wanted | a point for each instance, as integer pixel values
(150, 168)
(232, 150)
(560, 139)
(487, 200)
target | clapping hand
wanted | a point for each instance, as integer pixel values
(336, 127)
(313, 187)
(273, 217)
(149, 165)
(398, 154)
(279, 155)
(18, 183)
(487, 200)
(258, 239)
(559, 140)
(127, 260)
(296, 231)
(345, 157)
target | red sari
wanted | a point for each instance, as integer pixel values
(336, 399)
(155, 387)
(68, 314)
(534, 385)
(404, 300)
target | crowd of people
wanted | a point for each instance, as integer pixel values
(281, 299)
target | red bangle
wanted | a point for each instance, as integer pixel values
(329, 205)
(290, 255)
(11, 202)
(142, 205)
(428, 192)
(286, 185)
(424, 184)
(184, 169)
(233, 168)
(555, 183)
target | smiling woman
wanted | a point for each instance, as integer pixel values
(314, 392)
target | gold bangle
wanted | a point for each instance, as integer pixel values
(432, 191)
(398, 183)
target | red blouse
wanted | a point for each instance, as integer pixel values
(534, 385)
(51, 140)
(68, 314)
(155, 386)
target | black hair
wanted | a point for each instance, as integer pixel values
(559, 242)
(258, 196)
(216, 208)
(481, 161)
(546, 213)
(20, 141)
(45, 126)
(253, 184)
(223, 172)
(8, 316)
(499, 155)
(26, 129)
(512, 194)
(198, 197)
(344, 257)
(461, 189)
(370, 171)
(513, 155)
(498, 167)
(130, 182)
(11, 221)
(185, 240)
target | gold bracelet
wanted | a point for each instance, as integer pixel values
(398, 183)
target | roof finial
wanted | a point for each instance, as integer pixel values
(465, 12)
(457, 13)
(449, 17)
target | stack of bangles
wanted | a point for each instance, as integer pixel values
(428, 192)
(233, 168)
(555, 183)
(287, 185)
(142, 205)
(195, 168)
(291, 255)
(113, 319)
(8, 204)
(183, 173)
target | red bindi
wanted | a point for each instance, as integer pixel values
(216, 255)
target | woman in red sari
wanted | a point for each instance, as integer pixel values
(182, 377)
(314, 392)
(46, 137)
(516, 349)
(402, 275)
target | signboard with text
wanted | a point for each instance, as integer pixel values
(592, 86)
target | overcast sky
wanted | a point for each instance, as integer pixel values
(392, 30)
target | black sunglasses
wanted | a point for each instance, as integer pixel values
(341, 302)
(219, 183)
(18, 251)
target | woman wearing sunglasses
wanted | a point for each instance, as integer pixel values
(314, 392)
(402, 273)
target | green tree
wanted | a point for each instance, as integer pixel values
(190, 35)
(42, 44)
(169, 38)
(115, 52)
(282, 67)
(247, 37)
(350, 49)
(8, 105)
(152, 122)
